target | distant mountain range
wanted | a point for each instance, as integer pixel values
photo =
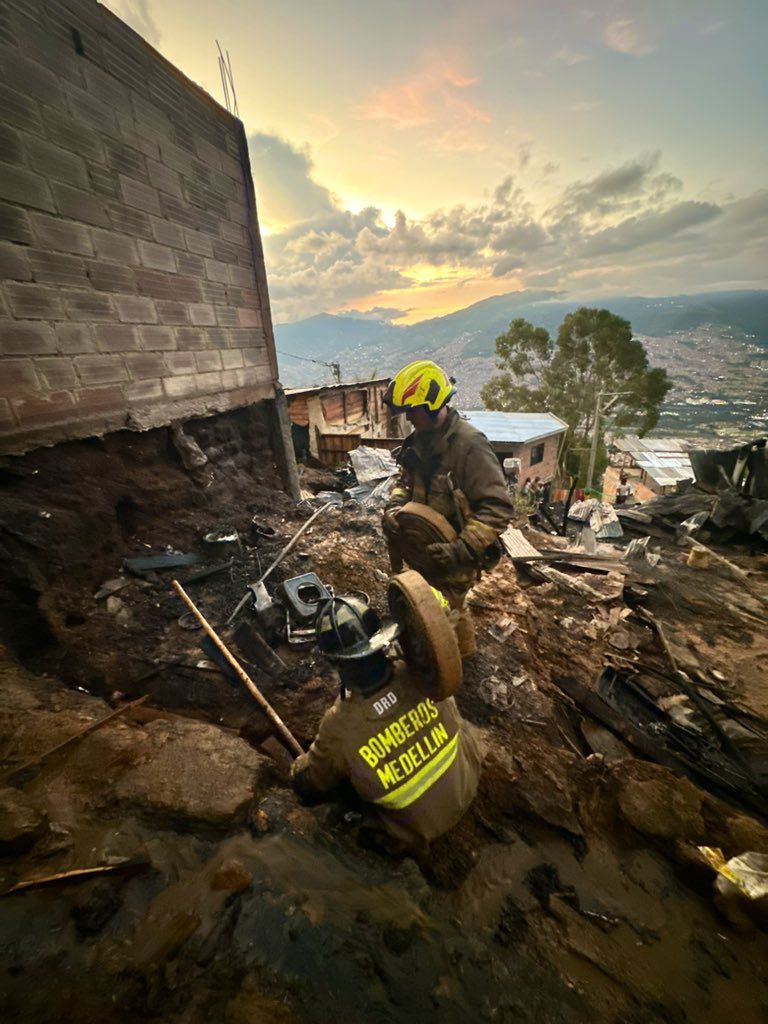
(368, 347)
(714, 347)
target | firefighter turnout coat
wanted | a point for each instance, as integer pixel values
(415, 760)
(455, 471)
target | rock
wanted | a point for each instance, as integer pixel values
(231, 876)
(665, 807)
(192, 770)
(21, 822)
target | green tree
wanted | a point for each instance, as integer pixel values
(594, 351)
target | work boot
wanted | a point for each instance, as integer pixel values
(465, 633)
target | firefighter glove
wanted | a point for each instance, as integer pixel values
(452, 557)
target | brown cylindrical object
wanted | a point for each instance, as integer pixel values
(242, 675)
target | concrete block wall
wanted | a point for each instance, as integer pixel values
(545, 469)
(132, 282)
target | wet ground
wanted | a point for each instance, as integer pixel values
(572, 890)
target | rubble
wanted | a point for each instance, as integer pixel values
(578, 858)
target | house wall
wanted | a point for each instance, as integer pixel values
(337, 418)
(132, 283)
(546, 469)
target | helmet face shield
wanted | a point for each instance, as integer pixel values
(421, 383)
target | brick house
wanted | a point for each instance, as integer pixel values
(532, 437)
(132, 282)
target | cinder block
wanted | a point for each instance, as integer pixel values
(103, 181)
(250, 376)
(111, 277)
(17, 376)
(249, 317)
(87, 109)
(188, 263)
(95, 401)
(135, 309)
(115, 248)
(144, 391)
(79, 205)
(55, 162)
(255, 357)
(207, 361)
(241, 277)
(157, 257)
(234, 233)
(126, 160)
(180, 362)
(214, 293)
(34, 302)
(243, 297)
(169, 312)
(14, 225)
(140, 196)
(30, 78)
(14, 262)
(191, 338)
(201, 314)
(168, 286)
(55, 407)
(74, 136)
(143, 365)
(209, 383)
(150, 118)
(199, 243)
(116, 337)
(61, 235)
(231, 359)
(176, 158)
(101, 369)
(19, 110)
(217, 337)
(58, 372)
(129, 221)
(89, 306)
(243, 337)
(107, 88)
(231, 167)
(167, 233)
(237, 213)
(57, 268)
(209, 154)
(190, 216)
(227, 316)
(215, 270)
(226, 252)
(75, 338)
(18, 185)
(157, 338)
(164, 179)
(10, 145)
(228, 380)
(180, 387)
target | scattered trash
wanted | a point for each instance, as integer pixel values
(188, 621)
(191, 454)
(638, 551)
(748, 872)
(699, 559)
(503, 629)
(45, 515)
(262, 531)
(330, 497)
(303, 596)
(372, 464)
(599, 516)
(111, 587)
(203, 574)
(226, 535)
(148, 563)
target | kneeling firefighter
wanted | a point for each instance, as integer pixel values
(414, 761)
(449, 465)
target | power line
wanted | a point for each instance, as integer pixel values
(335, 368)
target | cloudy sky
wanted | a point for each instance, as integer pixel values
(414, 156)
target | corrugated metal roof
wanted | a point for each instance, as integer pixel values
(633, 444)
(515, 427)
(313, 388)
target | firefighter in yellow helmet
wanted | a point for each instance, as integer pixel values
(449, 465)
(414, 761)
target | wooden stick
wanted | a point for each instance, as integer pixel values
(75, 738)
(76, 875)
(242, 675)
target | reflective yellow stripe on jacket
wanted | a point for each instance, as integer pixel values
(411, 790)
